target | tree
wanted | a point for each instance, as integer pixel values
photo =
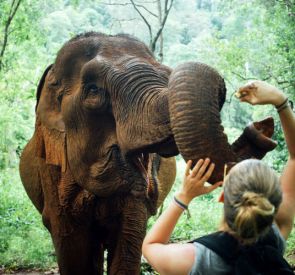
(153, 15)
(162, 16)
(12, 9)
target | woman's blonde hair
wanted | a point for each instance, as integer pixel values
(252, 195)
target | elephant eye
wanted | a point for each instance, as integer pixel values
(59, 97)
(91, 89)
(54, 84)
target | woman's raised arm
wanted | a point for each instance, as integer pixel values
(259, 92)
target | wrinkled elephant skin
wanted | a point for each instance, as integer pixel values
(107, 113)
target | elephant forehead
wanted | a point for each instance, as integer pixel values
(78, 51)
(123, 44)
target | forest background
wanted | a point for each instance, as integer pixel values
(242, 39)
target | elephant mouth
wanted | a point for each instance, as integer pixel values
(165, 148)
(141, 162)
(141, 158)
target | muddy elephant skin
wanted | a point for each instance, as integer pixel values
(107, 113)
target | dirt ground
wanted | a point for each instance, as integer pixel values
(54, 271)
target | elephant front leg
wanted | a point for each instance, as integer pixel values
(76, 244)
(78, 250)
(78, 253)
(124, 256)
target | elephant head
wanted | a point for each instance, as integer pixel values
(106, 103)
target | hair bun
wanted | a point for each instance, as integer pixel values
(255, 215)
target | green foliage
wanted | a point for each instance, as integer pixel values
(205, 218)
(24, 242)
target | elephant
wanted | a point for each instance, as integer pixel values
(109, 121)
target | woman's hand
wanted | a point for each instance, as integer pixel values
(193, 183)
(260, 92)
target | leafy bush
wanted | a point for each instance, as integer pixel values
(24, 242)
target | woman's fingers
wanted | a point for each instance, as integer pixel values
(194, 181)
(213, 187)
(197, 167)
(203, 168)
(248, 93)
(242, 93)
(188, 167)
(245, 98)
(209, 172)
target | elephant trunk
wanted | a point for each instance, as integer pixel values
(197, 93)
(140, 106)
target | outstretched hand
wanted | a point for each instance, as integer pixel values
(193, 183)
(260, 92)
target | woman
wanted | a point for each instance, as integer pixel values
(255, 200)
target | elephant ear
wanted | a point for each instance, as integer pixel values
(49, 129)
(41, 84)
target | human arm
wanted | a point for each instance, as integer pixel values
(259, 92)
(286, 212)
(176, 258)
